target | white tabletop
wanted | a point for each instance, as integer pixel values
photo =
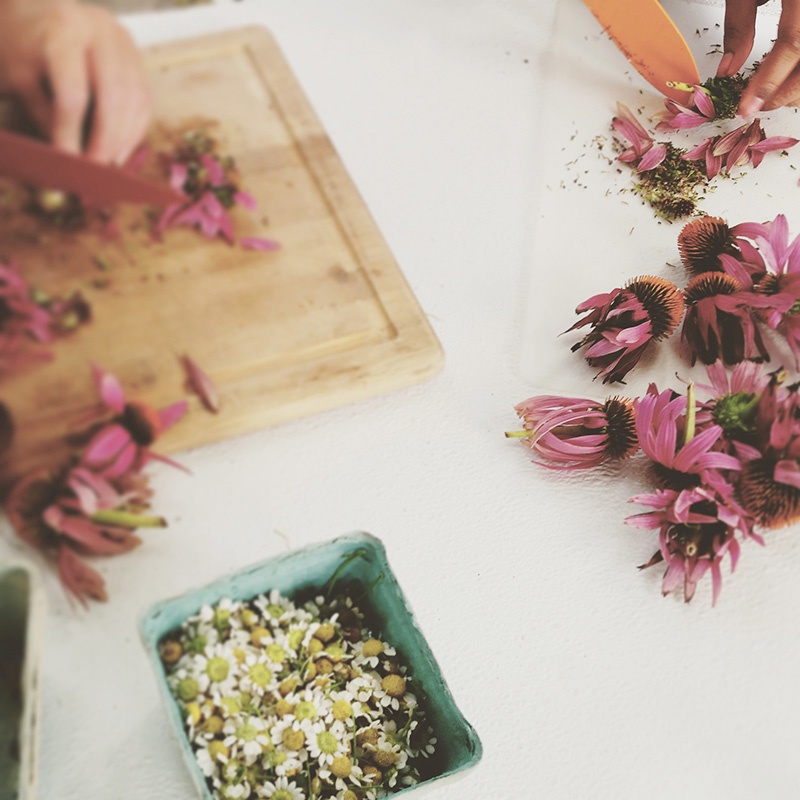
(581, 680)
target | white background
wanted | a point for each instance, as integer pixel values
(581, 680)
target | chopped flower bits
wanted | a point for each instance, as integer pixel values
(295, 702)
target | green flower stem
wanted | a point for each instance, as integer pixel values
(691, 415)
(684, 87)
(127, 519)
(519, 434)
(347, 559)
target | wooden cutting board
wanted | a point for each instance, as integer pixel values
(326, 320)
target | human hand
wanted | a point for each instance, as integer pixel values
(777, 80)
(71, 63)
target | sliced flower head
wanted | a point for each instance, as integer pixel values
(715, 98)
(124, 444)
(719, 321)
(574, 433)
(625, 321)
(676, 115)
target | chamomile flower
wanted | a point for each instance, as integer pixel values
(246, 736)
(282, 789)
(276, 608)
(326, 743)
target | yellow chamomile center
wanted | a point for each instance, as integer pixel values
(342, 710)
(327, 743)
(260, 675)
(305, 709)
(293, 739)
(217, 668)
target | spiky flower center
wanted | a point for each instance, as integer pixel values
(771, 284)
(142, 422)
(726, 93)
(710, 284)
(670, 188)
(662, 300)
(620, 427)
(773, 504)
(702, 241)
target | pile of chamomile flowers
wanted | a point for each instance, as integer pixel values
(295, 702)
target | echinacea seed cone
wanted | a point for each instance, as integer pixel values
(772, 504)
(621, 427)
(662, 300)
(27, 499)
(710, 284)
(142, 422)
(702, 241)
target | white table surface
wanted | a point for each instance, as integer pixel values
(579, 678)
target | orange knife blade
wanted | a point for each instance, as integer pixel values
(649, 39)
(39, 164)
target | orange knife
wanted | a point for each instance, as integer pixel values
(649, 39)
(39, 164)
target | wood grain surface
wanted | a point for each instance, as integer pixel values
(327, 319)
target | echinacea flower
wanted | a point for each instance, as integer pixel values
(709, 244)
(734, 402)
(124, 444)
(76, 512)
(697, 529)
(769, 484)
(574, 433)
(682, 457)
(625, 321)
(24, 505)
(719, 322)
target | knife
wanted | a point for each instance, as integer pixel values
(649, 39)
(39, 164)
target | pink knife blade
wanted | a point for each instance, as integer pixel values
(39, 164)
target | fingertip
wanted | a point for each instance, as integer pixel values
(750, 106)
(724, 68)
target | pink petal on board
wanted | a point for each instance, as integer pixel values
(109, 388)
(215, 170)
(178, 173)
(245, 199)
(171, 414)
(202, 385)
(258, 243)
(106, 445)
